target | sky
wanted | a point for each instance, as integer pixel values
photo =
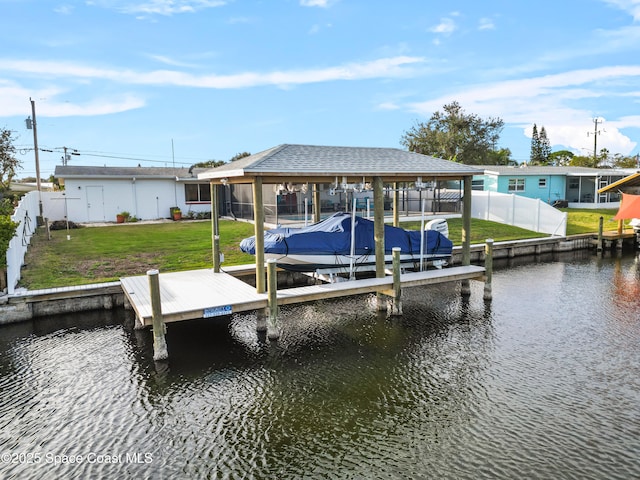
(175, 82)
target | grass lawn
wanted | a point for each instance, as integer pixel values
(102, 254)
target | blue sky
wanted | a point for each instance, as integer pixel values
(164, 82)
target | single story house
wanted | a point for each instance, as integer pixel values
(98, 194)
(577, 186)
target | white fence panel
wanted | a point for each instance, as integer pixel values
(26, 214)
(519, 211)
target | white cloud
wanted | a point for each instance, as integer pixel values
(315, 3)
(446, 27)
(486, 24)
(632, 7)
(157, 7)
(543, 100)
(380, 68)
(64, 9)
(13, 99)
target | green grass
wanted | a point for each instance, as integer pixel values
(101, 254)
(584, 220)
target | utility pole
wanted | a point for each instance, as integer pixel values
(66, 156)
(35, 149)
(596, 132)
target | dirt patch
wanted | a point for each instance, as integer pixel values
(117, 267)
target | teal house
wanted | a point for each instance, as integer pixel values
(566, 186)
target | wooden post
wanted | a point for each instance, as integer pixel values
(396, 205)
(466, 231)
(396, 303)
(600, 227)
(378, 235)
(488, 266)
(215, 232)
(273, 330)
(316, 203)
(258, 219)
(216, 253)
(159, 343)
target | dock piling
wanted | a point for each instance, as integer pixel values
(159, 329)
(488, 265)
(599, 247)
(273, 330)
(396, 301)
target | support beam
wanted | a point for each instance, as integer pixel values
(215, 229)
(378, 228)
(258, 218)
(396, 205)
(316, 203)
(465, 287)
(378, 234)
(159, 343)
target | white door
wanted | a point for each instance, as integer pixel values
(95, 204)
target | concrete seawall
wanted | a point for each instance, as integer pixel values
(28, 305)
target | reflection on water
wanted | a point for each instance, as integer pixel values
(544, 382)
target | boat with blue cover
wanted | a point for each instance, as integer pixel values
(347, 241)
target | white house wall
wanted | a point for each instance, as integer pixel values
(100, 200)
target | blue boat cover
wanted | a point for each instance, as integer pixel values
(332, 236)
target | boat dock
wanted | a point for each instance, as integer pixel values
(205, 294)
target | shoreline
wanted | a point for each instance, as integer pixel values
(25, 305)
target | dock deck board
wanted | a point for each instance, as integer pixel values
(187, 295)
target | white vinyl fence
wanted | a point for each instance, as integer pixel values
(519, 211)
(26, 214)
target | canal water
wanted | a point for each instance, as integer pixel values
(543, 382)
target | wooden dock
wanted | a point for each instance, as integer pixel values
(204, 294)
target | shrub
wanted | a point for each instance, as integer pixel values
(7, 231)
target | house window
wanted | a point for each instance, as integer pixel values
(516, 185)
(197, 192)
(477, 184)
(574, 183)
(542, 182)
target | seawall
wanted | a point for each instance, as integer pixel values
(33, 304)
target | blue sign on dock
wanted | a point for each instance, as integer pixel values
(217, 311)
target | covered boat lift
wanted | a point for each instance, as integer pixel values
(344, 168)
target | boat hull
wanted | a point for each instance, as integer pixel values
(312, 263)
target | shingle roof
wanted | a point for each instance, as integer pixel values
(73, 171)
(548, 170)
(325, 161)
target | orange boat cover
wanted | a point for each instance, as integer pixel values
(629, 207)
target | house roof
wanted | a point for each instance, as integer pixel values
(66, 172)
(549, 170)
(312, 163)
(627, 182)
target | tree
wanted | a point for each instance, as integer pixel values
(9, 164)
(540, 147)
(238, 156)
(455, 135)
(561, 158)
(582, 161)
(621, 161)
(534, 155)
(545, 147)
(208, 164)
(500, 157)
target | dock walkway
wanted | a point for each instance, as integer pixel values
(203, 293)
